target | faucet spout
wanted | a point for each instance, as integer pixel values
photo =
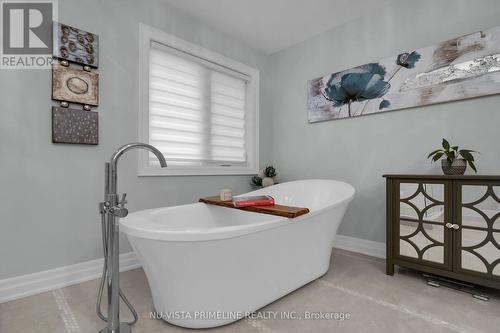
(111, 167)
(116, 155)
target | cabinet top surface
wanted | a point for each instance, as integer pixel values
(443, 177)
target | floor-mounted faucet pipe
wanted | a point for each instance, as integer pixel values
(111, 210)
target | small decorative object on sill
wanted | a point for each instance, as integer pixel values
(226, 194)
(266, 177)
(256, 181)
(267, 181)
(454, 160)
(270, 174)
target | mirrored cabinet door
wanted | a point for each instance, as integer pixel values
(423, 212)
(477, 241)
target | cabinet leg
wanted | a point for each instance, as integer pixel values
(389, 268)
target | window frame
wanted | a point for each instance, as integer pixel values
(149, 35)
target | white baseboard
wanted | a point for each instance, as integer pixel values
(35, 283)
(363, 246)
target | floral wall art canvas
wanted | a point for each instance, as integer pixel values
(460, 68)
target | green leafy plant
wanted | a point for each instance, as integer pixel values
(256, 181)
(451, 153)
(270, 171)
(261, 179)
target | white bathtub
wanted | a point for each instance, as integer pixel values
(208, 266)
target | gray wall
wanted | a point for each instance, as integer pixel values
(360, 150)
(49, 193)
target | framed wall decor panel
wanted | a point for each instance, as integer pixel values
(74, 126)
(460, 68)
(75, 45)
(74, 85)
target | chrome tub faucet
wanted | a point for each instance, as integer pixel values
(111, 210)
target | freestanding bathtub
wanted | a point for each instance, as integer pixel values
(208, 266)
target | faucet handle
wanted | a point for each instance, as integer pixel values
(123, 202)
(120, 210)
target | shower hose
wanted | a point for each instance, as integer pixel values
(104, 225)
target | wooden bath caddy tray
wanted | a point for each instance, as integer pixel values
(280, 210)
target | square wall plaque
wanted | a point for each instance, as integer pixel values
(75, 45)
(75, 85)
(74, 126)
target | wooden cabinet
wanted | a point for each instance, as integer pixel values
(445, 225)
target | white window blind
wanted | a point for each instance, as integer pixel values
(197, 110)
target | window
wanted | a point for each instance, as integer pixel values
(199, 108)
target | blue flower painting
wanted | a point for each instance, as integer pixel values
(359, 84)
(435, 74)
(408, 60)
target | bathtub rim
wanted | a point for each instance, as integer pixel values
(128, 227)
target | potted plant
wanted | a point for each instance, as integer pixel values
(266, 177)
(256, 181)
(269, 176)
(454, 160)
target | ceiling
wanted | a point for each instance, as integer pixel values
(273, 25)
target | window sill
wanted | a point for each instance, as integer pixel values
(202, 171)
